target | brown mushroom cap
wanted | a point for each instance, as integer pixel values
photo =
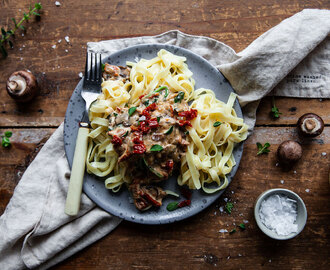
(289, 152)
(22, 86)
(310, 125)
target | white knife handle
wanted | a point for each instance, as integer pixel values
(72, 204)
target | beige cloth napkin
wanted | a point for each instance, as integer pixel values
(35, 232)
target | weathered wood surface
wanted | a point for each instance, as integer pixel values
(195, 243)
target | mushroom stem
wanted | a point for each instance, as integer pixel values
(310, 124)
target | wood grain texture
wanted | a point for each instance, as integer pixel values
(196, 242)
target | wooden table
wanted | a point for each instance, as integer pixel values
(194, 243)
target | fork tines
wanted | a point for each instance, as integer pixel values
(93, 67)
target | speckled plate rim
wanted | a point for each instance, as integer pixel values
(291, 195)
(106, 199)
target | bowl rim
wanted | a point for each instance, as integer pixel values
(290, 194)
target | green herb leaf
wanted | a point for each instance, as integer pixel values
(3, 31)
(158, 119)
(125, 134)
(275, 112)
(38, 6)
(8, 134)
(146, 103)
(229, 206)
(156, 148)
(242, 226)
(186, 132)
(179, 97)
(103, 66)
(22, 27)
(115, 114)
(5, 142)
(3, 51)
(35, 13)
(13, 19)
(217, 123)
(11, 44)
(232, 231)
(263, 148)
(169, 131)
(131, 111)
(172, 206)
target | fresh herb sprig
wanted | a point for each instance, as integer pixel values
(5, 139)
(229, 206)
(263, 148)
(5, 35)
(275, 111)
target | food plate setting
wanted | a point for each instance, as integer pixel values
(119, 204)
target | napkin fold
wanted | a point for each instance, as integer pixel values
(293, 56)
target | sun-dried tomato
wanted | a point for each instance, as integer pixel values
(137, 138)
(186, 193)
(184, 203)
(172, 111)
(144, 127)
(146, 114)
(134, 128)
(183, 123)
(151, 107)
(139, 148)
(116, 140)
(169, 164)
(189, 115)
(141, 97)
(153, 123)
(152, 200)
(154, 95)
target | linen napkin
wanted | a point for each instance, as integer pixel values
(294, 55)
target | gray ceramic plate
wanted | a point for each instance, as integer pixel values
(118, 204)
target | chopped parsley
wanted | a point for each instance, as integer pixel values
(156, 148)
(131, 111)
(229, 206)
(179, 97)
(263, 148)
(217, 123)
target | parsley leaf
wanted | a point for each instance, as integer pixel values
(229, 206)
(131, 111)
(179, 97)
(232, 231)
(242, 226)
(217, 123)
(172, 206)
(275, 112)
(263, 148)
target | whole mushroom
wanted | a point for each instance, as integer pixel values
(310, 125)
(288, 153)
(22, 86)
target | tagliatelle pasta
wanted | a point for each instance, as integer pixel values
(214, 132)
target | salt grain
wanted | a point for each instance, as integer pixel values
(59, 41)
(80, 74)
(54, 46)
(57, 3)
(67, 39)
(245, 221)
(324, 154)
(282, 181)
(223, 231)
(225, 199)
(307, 190)
(279, 213)
(221, 209)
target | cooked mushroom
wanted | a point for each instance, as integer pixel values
(310, 125)
(288, 153)
(22, 86)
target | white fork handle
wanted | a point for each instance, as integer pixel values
(72, 204)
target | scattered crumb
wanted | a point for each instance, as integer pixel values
(239, 255)
(228, 257)
(277, 164)
(80, 74)
(270, 260)
(57, 3)
(21, 58)
(22, 34)
(67, 39)
(294, 172)
(59, 41)
(66, 50)
(215, 213)
(20, 49)
(23, 46)
(324, 154)
(307, 190)
(225, 199)
(232, 192)
(54, 46)
(282, 181)
(221, 209)
(223, 231)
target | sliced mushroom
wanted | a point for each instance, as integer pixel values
(22, 86)
(310, 125)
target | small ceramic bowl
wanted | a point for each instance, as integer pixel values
(301, 213)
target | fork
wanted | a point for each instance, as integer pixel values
(89, 92)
